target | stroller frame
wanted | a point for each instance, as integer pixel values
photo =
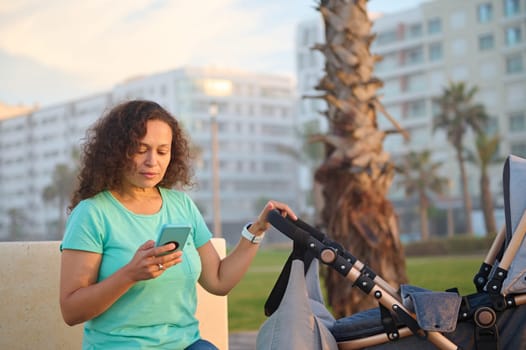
(484, 316)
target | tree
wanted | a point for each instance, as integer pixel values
(486, 154)
(459, 114)
(420, 176)
(17, 222)
(355, 173)
(59, 191)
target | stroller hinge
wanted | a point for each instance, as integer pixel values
(495, 284)
(409, 322)
(494, 288)
(481, 278)
(389, 324)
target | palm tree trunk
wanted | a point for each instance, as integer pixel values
(363, 222)
(465, 194)
(424, 222)
(356, 173)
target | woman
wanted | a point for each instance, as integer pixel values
(113, 277)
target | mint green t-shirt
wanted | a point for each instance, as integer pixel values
(154, 314)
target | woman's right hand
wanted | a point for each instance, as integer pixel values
(148, 263)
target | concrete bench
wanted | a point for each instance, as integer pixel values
(30, 315)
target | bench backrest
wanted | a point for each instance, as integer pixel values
(30, 315)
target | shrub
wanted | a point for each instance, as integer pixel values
(458, 245)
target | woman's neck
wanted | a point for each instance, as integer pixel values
(139, 200)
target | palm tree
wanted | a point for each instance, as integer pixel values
(459, 114)
(60, 190)
(17, 222)
(356, 173)
(486, 154)
(420, 176)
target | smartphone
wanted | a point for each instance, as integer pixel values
(171, 233)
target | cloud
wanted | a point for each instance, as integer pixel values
(27, 82)
(105, 41)
(98, 43)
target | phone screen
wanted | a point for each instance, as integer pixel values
(171, 233)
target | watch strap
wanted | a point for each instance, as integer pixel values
(251, 237)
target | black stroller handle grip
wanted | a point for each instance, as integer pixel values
(274, 217)
(288, 227)
(297, 229)
(306, 236)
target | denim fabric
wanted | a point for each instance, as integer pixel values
(202, 344)
(435, 311)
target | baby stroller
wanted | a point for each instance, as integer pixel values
(409, 318)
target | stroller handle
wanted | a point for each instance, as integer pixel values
(288, 227)
(326, 250)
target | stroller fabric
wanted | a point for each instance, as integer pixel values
(515, 203)
(435, 311)
(299, 321)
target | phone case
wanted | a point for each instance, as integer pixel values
(170, 233)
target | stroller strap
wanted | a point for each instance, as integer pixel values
(276, 295)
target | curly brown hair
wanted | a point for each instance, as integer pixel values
(113, 140)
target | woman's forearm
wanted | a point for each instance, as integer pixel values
(89, 302)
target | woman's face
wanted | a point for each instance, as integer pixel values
(152, 158)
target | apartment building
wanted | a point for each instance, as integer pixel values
(255, 115)
(481, 42)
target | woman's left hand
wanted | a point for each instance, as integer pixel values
(261, 224)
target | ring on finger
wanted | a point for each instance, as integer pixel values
(161, 267)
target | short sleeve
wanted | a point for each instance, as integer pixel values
(202, 233)
(84, 229)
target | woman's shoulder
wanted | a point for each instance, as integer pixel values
(178, 198)
(100, 201)
(173, 194)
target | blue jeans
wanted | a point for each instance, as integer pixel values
(202, 344)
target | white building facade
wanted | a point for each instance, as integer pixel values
(255, 116)
(481, 42)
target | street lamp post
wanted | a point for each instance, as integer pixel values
(213, 111)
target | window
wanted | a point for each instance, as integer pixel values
(391, 87)
(304, 37)
(415, 31)
(492, 126)
(517, 122)
(511, 7)
(416, 82)
(416, 109)
(414, 56)
(518, 149)
(435, 52)
(513, 36)
(386, 37)
(486, 42)
(514, 64)
(389, 61)
(434, 26)
(484, 13)
(514, 94)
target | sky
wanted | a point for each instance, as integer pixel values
(55, 50)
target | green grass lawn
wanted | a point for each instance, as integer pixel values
(247, 299)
